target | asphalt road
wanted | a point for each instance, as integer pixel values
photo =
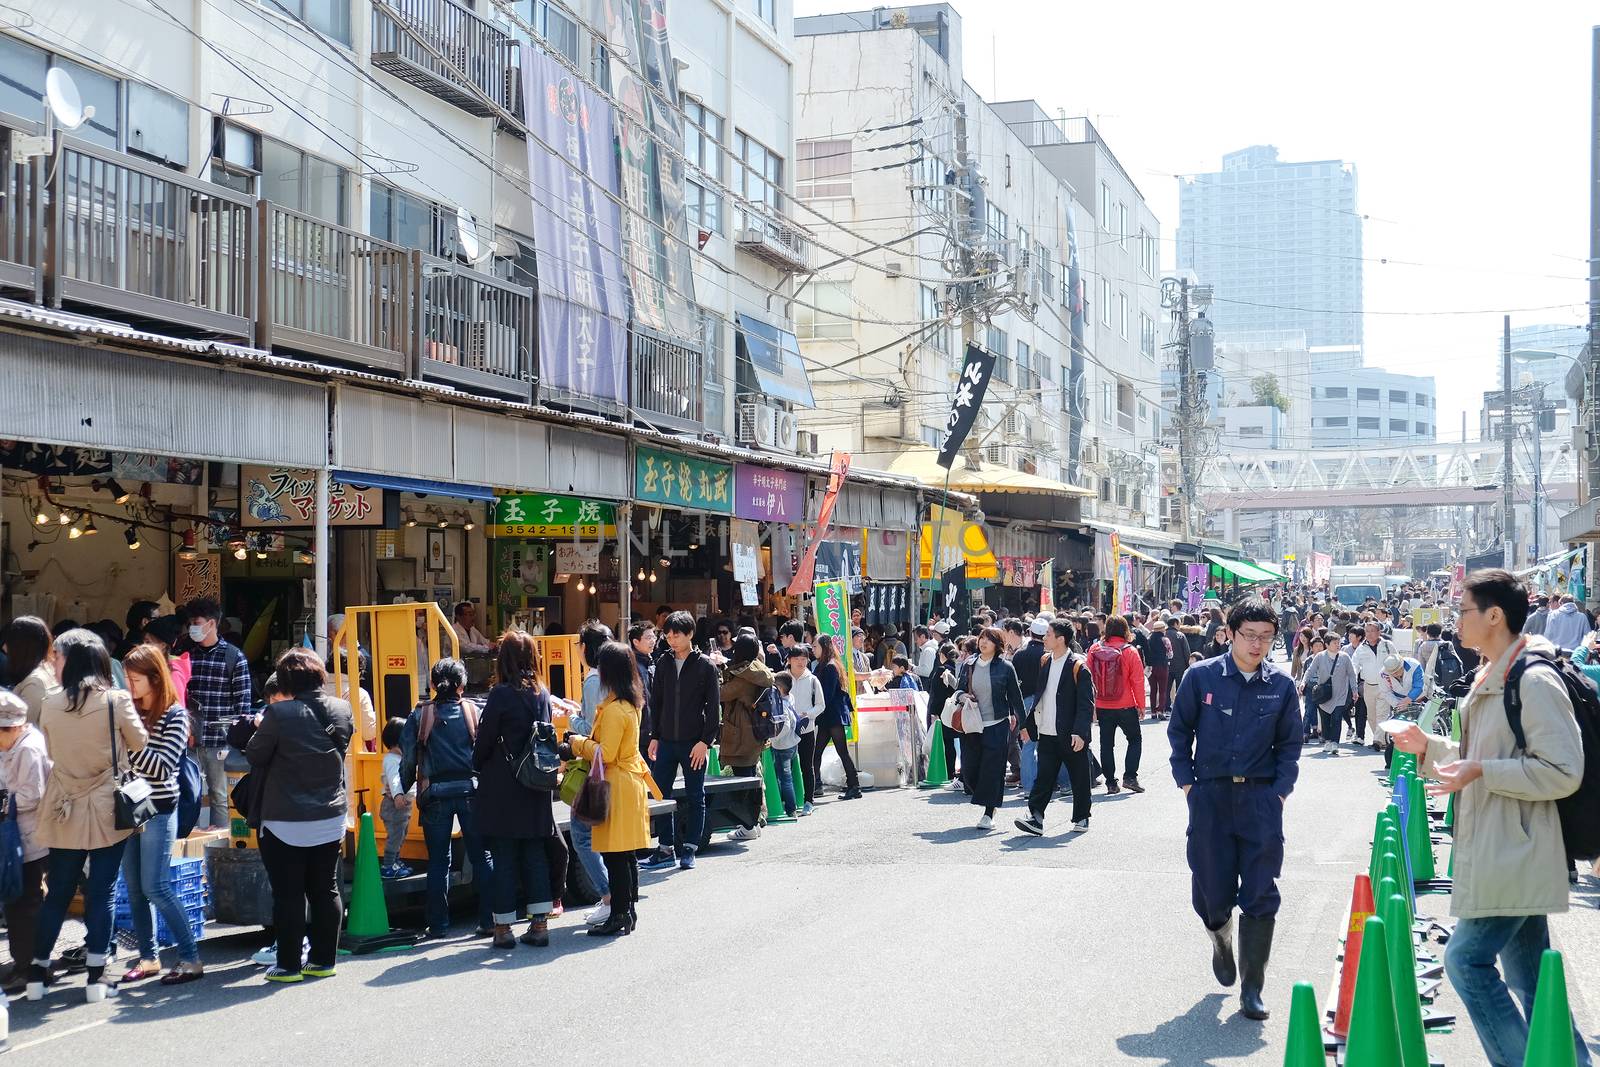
(884, 930)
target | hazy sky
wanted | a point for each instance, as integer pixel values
(1468, 126)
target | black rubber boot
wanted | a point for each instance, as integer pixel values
(1255, 945)
(1222, 954)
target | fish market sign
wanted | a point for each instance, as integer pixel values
(287, 497)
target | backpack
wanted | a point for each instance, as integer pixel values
(766, 714)
(1105, 667)
(1447, 667)
(1580, 812)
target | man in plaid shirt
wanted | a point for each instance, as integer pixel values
(219, 692)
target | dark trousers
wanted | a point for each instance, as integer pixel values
(983, 764)
(439, 818)
(22, 913)
(835, 736)
(303, 878)
(64, 873)
(808, 765)
(1330, 723)
(672, 756)
(1054, 753)
(1360, 712)
(520, 860)
(622, 871)
(1235, 849)
(1160, 690)
(1126, 720)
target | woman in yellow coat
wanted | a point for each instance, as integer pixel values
(616, 741)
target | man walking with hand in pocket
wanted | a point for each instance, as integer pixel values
(1058, 722)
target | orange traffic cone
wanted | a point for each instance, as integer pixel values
(1360, 911)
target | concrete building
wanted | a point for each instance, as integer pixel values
(1362, 405)
(1276, 237)
(1540, 353)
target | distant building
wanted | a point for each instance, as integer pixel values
(1559, 340)
(1358, 405)
(1280, 242)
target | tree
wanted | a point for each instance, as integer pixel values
(1265, 389)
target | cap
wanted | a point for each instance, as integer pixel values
(1039, 628)
(942, 626)
(1391, 664)
(13, 712)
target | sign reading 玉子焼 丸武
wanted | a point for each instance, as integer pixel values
(682, 481)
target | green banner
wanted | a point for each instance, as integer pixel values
(682, 481)
(833, 619)
(552, 515)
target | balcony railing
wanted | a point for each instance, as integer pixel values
(444, 49)
(21, 220)
(668, 382)
(477, 331)
(148, 242)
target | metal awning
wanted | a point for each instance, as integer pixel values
(774, 356)
(922, 464)
(1126, 550)
(1276, 572)
(1239, 569)
(425, 486)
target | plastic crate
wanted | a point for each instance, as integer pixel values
(188, 882)
(164, 938)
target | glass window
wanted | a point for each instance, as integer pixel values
(822, 170)
(831, 319)
(1422, 428)
(1368, 394)
(311, 185)
(713, 342)
(158, 125)
(1398, 425)
(1147, 336)
(1122, 225)
(998, 223)
(760, 177)
(1000, 345)
(1422, 400)
(702, 145)
(1024, 366)
(768, 11)
(1337, 392)
(1368, 422)
(937, 338)
(1124, 316)
(331, 17)
(1066, 389)
(1398, 396)
(1106, 402)
(932, 436)
(1105, 209)
(1105, 490)
(403, 219)
(100, 92)
(1336, 422)
(22, 69)
(1105, 302)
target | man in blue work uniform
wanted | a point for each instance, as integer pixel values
(1235, 733)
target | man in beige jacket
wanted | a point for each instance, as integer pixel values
(1510, 859)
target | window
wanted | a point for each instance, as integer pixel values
(831, 319)
(1105, 302)
(405, 220)
(1147, 336)
(1047, 276)
(1336, 422)
(1025, 366)
(1252, 431)
(713, 342)
(158, 125)
(1368, 394)
(1122, 494)
(273, 170)
(1398, 425)
(702, 146)
(1138, 500)
(1398, 396)
(1337, 392)
(1106, 402)
(1122, 225)
(1368, 422)
(822, 170)
(1422, 400)
(937, 338)
(1149, 252)
(999, 225)
(1124, 316)
(22, 76)
(557, 31)
(1105, 490)
(331, 17)
(1106, 219)
(1144, 411)
(767, 10)
(933, 437)
(1422, 428)
(1066, 390)
(1042, 372)
(1000, 345)
(760, 177)
(1125, 402)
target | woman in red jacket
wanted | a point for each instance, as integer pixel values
(1119, 702)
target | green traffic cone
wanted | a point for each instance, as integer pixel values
(1304, 1048)
(1450, 814)
(1374, 1033)
(1386, 831)
(713, 763)
(775, 812)
(1550, 1038)
(938, 773)
(369, 914)
(1390, 865)
(1396, 914)
(796, 776)
(1418, 833)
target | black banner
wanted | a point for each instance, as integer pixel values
(957, 601)
(970, 388)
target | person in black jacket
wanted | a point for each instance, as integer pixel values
(992, 682)
(299, 806)
(1059, 722)
(685, 720)
(515, 821)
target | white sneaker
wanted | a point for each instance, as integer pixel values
(597, 914)
(741, 834)
(268, 956)
(985, 823)
(955, 783)
(1081, 826)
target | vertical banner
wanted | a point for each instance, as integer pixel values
(1125, 586)
(970, 388)
(1116, 574)
(1047, 586)
(833, 619)
(1458, 578)
(808, 562)
(582, 303)
(957, 600)
(1194, 590)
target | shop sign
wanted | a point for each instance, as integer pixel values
(958, 541)
(284, 496)
(840, 561)
(767, 495)
(743, 538)
(552, 515)
(682, 481)
(201, 576)
(833, 619)
(521, 572)
(1020, 571)
(578, 559)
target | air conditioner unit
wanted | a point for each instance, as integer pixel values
(756, 425)
(492, 346)
(996, 454)
(785, 429)
(805, 443)
(1013, 425)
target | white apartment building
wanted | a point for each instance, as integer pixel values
(880, 98)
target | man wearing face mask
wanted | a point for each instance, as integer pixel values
(219, 692)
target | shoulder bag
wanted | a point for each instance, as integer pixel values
(576, 773)
(135, 803)
(539, 765)
(593, 805)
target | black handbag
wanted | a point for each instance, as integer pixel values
(135, 801)
(539, 766)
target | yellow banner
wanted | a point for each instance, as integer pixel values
(958, 540)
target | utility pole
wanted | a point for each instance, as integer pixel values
(1192, 363)
(1592, 390)
(1538, 469)
(1508, 525)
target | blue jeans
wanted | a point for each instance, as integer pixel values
(670, 757)
(783, 766)
(438, 819)
(593, 865)
(147, 869)
(1518, 941)
(520, 859)
(62, 875)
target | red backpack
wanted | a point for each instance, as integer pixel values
(1105, 667)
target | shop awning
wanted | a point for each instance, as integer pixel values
(426, 486)
(1239, 569)
(1277, 572)
(774, 356)
(922, 464)
(1125, 550)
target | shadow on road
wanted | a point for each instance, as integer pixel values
(1197, 1037)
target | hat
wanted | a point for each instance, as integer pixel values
(1039, 628)
(941, 627)
(1391, 664)
(13, 712)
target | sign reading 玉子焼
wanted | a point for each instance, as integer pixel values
(552, 515)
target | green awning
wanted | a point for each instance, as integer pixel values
(1277, 572)
(1240, 570)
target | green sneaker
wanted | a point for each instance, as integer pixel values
(283, 977)
(313, 970)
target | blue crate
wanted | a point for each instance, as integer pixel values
(196, 916)
(188, 880)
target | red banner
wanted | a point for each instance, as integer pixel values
(808, 562)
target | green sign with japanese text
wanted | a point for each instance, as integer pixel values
(552, 515)
(682, 481)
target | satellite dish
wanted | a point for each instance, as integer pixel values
(467, 238)
(66, 105)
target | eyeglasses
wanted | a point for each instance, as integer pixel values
(1254, 638)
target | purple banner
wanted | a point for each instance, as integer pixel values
(767, 495)
(1195, 587)
(583, 348)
